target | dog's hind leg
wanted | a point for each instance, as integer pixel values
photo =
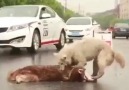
(101, 61)
(100, 72)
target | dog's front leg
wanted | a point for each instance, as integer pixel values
(80, 65)
(81, 61)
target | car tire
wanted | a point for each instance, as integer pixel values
(62, 41)
(35, 43)
(127, 37)
(113, 36)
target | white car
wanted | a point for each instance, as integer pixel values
(80, 27)
(30, 26)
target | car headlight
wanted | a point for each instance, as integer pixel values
(18, 27)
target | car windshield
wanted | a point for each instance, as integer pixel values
(122, 25)
(19, 11)
(79, 21)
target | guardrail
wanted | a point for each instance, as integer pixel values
(104, 35)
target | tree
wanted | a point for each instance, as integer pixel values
(2, 3)
(104, 20)
(52, 3)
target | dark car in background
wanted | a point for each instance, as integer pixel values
(120, 30)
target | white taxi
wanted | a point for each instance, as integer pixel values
(30, 26)
(80, 27)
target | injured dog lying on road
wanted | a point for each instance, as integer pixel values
(49, 73)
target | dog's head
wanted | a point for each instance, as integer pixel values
(63, 60)
(74, 73)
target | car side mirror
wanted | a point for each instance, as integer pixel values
(45, 15)
(95, 23)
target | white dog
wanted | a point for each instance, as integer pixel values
(79, 52)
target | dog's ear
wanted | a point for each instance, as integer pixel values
(80, 71)
(55, 54)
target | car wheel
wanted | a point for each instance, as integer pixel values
(113, 36)
(127, 37)
(35, 43)
(62, 41)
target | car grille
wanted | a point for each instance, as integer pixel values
(4, 41)
(75, 36)
(3, 30)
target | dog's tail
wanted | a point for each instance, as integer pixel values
(120, 59)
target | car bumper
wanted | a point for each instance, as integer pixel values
(78, 36)
(18, 38)
(121, 33)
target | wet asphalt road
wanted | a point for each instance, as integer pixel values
(115, 78)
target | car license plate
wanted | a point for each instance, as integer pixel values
(75, 33)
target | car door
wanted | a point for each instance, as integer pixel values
(45, 27)
(54, 24)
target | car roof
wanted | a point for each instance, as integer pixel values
(80, 17)
(26, 5)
